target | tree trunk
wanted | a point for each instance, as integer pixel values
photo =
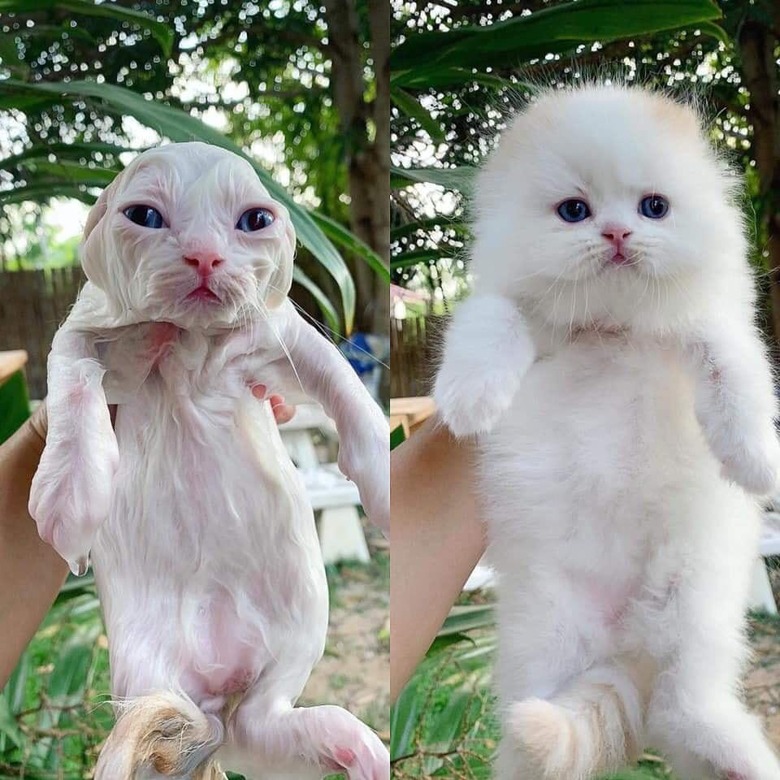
(757, 43)
(368, 160)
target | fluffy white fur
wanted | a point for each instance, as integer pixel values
(202, 539)
(625, 419)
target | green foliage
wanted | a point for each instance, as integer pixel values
(53, 712)
(447, 57)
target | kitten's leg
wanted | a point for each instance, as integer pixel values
(278, 740)
(71, 491)
(710, 735)
(695, 715)
(487, 350)
(595, 725)
(312, 368)
(697, 718)
(736, 405)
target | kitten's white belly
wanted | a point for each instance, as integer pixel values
(209, 567)
(602, 499)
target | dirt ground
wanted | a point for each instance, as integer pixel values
(762, 684)
(355, 670)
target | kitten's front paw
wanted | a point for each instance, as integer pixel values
(474, 405)
(755, 467)
(71, 494)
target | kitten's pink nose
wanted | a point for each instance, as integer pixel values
(616, 233)
(204, 262)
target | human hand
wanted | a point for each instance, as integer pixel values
(38, 422)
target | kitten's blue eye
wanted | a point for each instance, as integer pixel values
(654, 207)
(255, 219)
(573, 210)
(145, 216)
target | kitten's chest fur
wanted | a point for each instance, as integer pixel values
(599, 436)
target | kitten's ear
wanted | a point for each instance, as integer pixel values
(93, 251)
(98, 211)
(281, 279)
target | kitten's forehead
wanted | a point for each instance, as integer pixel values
(191, 164)
(612, 135)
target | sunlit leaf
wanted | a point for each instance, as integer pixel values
(161, 31)
(551, 30)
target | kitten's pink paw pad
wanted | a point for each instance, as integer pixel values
(367, 760)
(731, 775)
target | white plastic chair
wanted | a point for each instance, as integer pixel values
(334, 498)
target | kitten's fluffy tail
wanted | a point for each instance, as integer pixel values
(163, 733)
(593, 727)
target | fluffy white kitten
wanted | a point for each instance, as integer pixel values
(200, 532)
(609, 361)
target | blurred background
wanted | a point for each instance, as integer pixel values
(301, 89)
(458, 70)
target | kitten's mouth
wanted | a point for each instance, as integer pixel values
(204, 293)
(619, 259)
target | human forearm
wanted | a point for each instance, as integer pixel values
(437, 540)
(31, 572)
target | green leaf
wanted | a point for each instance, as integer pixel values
(404, 719)
(413, 109)
(337, 233)
(43, 192)
(443, 642)
(75, 150)
(443, 732)
(71, 172)
(327, 308)
(435, 76)
(17, 684)
(180, 126)
(468, 618)
(397, 436)
(460, 179)
(553, 30)
(67, 685)
(8, 725)
(161, 31)
(714, 31)
(441, 221)
(419, 257)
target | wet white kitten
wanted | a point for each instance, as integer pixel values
(202, 537)
(609, 361)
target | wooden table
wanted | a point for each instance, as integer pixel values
(11, 362)
(334, 498)
(411, 412)
(14, 404)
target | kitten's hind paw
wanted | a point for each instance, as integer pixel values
(544, 736)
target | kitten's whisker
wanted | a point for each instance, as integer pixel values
(332, 332)
(263, 310)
